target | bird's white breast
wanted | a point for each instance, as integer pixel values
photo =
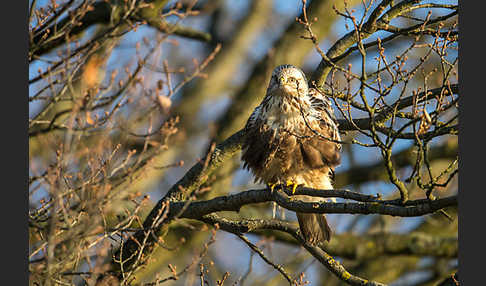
(282, 113)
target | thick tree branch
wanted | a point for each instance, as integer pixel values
(200, 172)
(191, 181)
(235, 202)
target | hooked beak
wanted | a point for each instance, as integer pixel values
(281, 81)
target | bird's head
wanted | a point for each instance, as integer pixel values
(288, 80)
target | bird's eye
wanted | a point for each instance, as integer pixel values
(292, 79)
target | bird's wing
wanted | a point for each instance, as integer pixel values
(321, 147)
(259, 143)
(254, 118)
(323, 106)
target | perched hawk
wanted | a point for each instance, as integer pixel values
(292, 138)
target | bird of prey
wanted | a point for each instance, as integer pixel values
(292, 138)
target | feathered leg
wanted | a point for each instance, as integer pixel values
(274, 204)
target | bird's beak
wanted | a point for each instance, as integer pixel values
(281, 81)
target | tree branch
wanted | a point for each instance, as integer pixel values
(407, 157)
(278, 267)
(235, 202)
(101, 13)
(451, 281)
(328, 261)
(385, 113)
(191, 181)
(320, 74)
(200, 172)
(347, 245)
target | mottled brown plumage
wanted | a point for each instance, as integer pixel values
(292, 136)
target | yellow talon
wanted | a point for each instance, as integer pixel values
(271, 186)
(293, 184)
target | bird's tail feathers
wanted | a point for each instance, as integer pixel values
(314, 227)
